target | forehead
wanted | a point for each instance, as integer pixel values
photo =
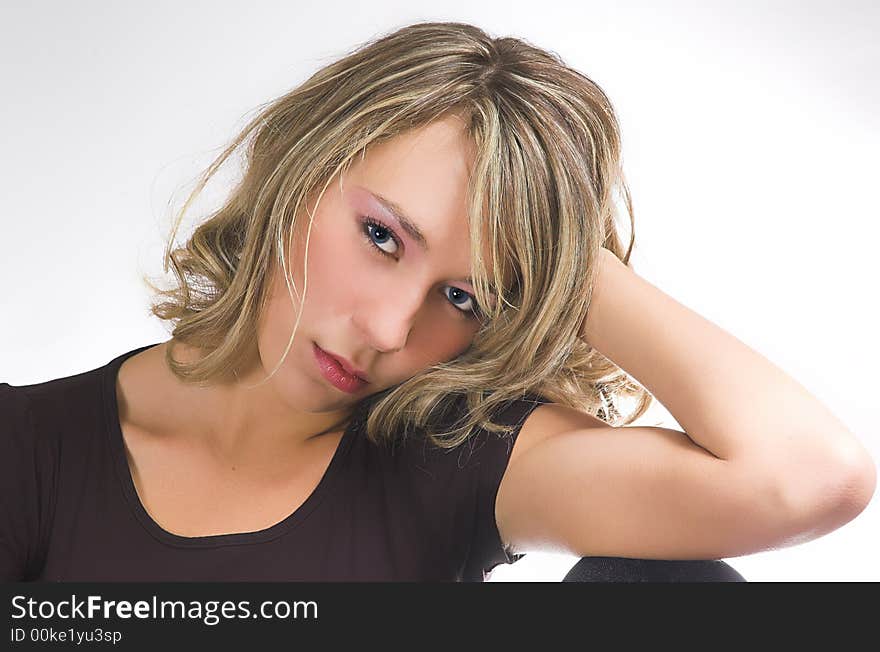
(432, 161)
(423, 176)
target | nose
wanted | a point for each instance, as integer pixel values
(386, 317)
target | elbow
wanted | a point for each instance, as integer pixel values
(859, 484)
(856, 479)
(835, 495)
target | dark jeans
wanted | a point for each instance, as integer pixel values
(624, 569)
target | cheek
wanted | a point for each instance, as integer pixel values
(334, 260)
(279, 315)
(332, 267)
(439, 341)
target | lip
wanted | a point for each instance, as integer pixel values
(336, 371)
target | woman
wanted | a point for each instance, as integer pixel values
(398, 353)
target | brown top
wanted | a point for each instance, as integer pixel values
(69, 510)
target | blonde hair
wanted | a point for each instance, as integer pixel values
(541, 195)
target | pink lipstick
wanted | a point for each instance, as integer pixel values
(334, 371)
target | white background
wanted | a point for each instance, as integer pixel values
(750, 134)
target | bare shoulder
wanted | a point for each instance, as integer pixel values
(152, 399)
(547, 420)
(140, 389)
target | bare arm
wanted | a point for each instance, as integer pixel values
(762, 464)
(728, 398)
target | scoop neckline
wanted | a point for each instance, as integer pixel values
(123, 472)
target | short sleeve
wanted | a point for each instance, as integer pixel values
(21, 494)
(487, 549)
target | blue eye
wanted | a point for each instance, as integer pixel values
(471, 310)
(377, 234)
(380, 232)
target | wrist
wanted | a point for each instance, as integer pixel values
(605, 262)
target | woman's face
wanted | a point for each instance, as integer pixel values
(377, 296)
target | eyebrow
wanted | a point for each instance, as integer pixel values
(409, 226)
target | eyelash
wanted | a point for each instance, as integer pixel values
(367, 222)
